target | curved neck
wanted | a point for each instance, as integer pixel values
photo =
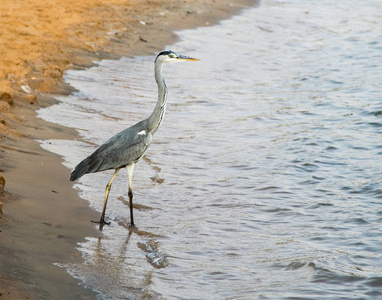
(156, 117)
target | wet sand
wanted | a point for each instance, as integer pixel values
(43, 218)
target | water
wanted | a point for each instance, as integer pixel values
(264, 180)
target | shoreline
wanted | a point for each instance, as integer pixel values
(43, 217)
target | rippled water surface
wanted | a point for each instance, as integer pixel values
(264, 181)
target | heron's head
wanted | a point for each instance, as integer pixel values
(169, 56)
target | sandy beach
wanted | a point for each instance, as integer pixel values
(42, 217)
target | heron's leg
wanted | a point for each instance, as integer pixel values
(108, 187)
(130, 170)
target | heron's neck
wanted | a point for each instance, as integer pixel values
(156, 117)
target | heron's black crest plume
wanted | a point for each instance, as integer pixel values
(165, 52)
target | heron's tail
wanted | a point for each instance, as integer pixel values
(79, 171)
(88, 165)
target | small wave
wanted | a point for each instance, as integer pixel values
(154, 256)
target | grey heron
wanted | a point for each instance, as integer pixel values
(127, 147)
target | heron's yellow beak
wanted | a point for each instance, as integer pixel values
(183, 58)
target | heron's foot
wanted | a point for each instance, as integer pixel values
(132, 226)
(102, 222)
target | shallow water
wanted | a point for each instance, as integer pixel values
(264, 179)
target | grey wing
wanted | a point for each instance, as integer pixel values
(125, 149)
